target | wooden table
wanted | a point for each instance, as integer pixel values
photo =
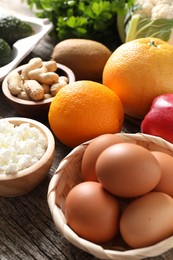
(27, 230)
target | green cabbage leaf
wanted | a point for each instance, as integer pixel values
(141, 27)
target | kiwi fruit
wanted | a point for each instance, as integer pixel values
(86, 58)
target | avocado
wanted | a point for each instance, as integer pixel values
(5, 53)
(12, 29)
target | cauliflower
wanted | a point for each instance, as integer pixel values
(161, 11)
(149, 18)
(146, 6)
(156, 9)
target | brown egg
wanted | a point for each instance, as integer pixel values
(127, 170)
(92, 212)
(147, 220)
(92, 152)
(166, 181)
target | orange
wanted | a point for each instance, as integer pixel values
(138, 71)
(83, 110)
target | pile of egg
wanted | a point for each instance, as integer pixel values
(115, 171)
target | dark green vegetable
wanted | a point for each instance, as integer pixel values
(88, 19)
(5, 53)
(13, 29)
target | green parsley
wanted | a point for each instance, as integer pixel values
(88, 19)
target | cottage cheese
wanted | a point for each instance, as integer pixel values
(20, 146)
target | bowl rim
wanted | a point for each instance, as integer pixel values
(49, 150)
(90, 247)
(19, 101)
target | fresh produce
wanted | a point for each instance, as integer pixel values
(147, 220)
(86, 58)
(88, 19)
(127, 170)
(83, 110)
(138, 71)
(148, 18)
(5, 53)
(92, 212)
(165, 183)
(13, 29)
(159, 120)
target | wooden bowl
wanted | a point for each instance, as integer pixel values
(24, 181)
(32, 109)
(68, 174)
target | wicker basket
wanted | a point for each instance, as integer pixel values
(68, 175)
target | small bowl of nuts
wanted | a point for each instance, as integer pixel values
(26, 155)
(30, 88)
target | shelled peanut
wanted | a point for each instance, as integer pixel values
(37, 80)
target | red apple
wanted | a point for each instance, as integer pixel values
(159, 120)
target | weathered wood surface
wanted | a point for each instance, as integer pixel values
(27, 230)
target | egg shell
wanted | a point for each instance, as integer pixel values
(128, 170)
(92, 212)
(166, 181)
(93, 150)
(147, 220)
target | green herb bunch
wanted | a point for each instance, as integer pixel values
(88, 19)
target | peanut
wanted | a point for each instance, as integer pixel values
(34, 90)
(14, 83)
(48, 78)
(46, 88)
(56, 87)
(23, 95)
(46, 96)
(38, 80)
(35, 62)
(63, 78)
(32, 64)
(35, 73)
(51, 65)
